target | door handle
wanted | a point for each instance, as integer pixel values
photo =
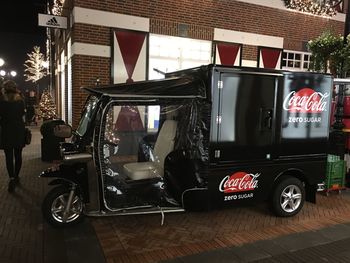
(266, 116)
(269, 119)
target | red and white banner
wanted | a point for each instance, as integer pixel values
(228, 54)
(269, 58)
(129, 56)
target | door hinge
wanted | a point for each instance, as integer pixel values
(220, 84)
(217, 154)
(218, 119)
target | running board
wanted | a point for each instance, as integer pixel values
(139, 211)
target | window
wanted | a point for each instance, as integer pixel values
(296, 60)
(169, 54)
(135, 146)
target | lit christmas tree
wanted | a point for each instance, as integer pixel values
(35, 66)
(47, 107)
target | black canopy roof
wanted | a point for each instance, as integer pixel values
(178, 87)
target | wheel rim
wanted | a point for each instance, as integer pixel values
(290, 198)
(59, 205)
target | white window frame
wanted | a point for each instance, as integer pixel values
(302, 60)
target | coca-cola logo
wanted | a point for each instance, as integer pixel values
(239, 182)
(306, 100)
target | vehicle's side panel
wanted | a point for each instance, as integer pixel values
(241, 167)
(268, 125)
(305, 112)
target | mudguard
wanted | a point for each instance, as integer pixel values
(68, 175)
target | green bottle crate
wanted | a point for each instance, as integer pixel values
(335, 174)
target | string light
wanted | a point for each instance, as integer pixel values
(47, 107)
(321, 8)
(34, 66)
(57, 7)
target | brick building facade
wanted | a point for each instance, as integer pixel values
(92, 48)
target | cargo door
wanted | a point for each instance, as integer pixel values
(246, 117)
(305, 114)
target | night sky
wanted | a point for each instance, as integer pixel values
(19, 33)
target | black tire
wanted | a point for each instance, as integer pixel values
(53, 207)
(288, 197)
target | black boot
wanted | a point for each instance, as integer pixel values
(17, 180)
(12, 185)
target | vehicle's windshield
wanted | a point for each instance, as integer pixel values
(88, 111)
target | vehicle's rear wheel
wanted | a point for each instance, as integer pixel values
(54, 207)
(288, 197)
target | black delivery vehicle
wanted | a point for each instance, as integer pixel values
(199, 139)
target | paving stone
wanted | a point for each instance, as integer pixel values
(301, 240)
(337, 232)
(219, 256)
(270, 247)
(248, 253)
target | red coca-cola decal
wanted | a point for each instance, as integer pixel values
(306, 100)
(239, 182)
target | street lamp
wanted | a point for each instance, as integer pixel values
(13, 73)
(2, 62)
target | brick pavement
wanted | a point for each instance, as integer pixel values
(142, 239)
(21, 227)
(24, 237)
(329, 244)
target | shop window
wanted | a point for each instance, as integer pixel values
(169, 54)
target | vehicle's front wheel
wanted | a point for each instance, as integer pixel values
(288, 197)
(54, 207)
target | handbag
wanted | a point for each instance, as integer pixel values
(27, 136)
(62, 131)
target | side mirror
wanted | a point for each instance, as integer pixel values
(62, 131)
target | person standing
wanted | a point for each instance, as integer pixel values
(12, 111)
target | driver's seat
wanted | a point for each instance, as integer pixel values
(163, 146)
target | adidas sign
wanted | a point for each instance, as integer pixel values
(52, 21)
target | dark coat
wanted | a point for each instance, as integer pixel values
(12, 124)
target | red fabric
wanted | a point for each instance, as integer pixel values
(129, 119)
(346, 105)
(227, 53)
(130, 44)
(270, 57)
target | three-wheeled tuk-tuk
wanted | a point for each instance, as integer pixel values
(201, 138)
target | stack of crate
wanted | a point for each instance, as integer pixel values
(335, 177)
